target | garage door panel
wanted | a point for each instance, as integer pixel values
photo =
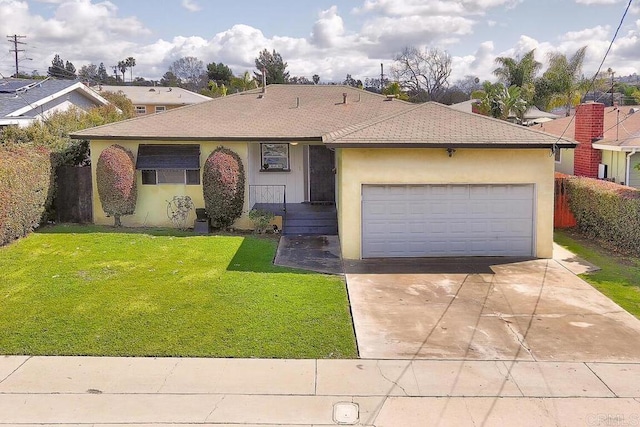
(447, 220)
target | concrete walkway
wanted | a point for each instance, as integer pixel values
(162, 391)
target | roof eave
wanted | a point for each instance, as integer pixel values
(448, 145)
(196, 138)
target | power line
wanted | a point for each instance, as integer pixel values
(14, 40)
(595, 76)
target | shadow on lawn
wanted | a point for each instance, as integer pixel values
(256, 255)
(104, 229)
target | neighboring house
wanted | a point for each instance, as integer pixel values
(609, 143)
(24, 100)
(156, 99)
(532, 116)
(409, 180)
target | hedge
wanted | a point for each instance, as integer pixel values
(116, 182)
(223, 182)
(607, 212)
(26, 189)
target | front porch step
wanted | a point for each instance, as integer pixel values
(310, 222)
(329, 230)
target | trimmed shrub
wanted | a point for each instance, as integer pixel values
(116, 181)
(607, 212)
(26, 183)
(223, 187)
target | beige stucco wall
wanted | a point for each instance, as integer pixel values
(357, 167)
(151, 207)
(565, 165)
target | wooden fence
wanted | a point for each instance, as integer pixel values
(562, 215)
(73, 202)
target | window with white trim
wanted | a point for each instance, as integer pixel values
(274, 156)
(160, 108)
(171, 176)
(141, 109)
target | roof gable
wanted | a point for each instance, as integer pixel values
(433, 124)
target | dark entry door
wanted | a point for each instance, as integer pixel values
(322, 184)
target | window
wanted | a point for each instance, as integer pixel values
(169, 164)
(171, 176)
(141, 109)
(160, 108)
(275, 157)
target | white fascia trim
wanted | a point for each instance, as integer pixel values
(77, 86)
(606, 147)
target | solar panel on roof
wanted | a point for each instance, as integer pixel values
(10, 86)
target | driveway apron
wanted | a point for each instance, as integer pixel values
(485, 309)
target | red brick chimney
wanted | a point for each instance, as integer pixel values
(589, 127)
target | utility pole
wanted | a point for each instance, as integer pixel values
(14, 40)
(381, 77)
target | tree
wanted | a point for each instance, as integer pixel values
(190, 73)
(60, 70)
(219, 73)
(122, 66)
(423, 74)
(116, 182)
(101, 74)
(396, 90)
(169, 80)
(498, 101)
(243, 83)
(223, 181)
(316, 79)
(214, 91)
(519, 72)
(564, 80)
(274, 65)
(350, 81)
(88, 72)
(130, 62)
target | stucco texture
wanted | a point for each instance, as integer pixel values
(151, 206)
(360, 166)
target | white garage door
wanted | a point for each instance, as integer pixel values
(447, 220)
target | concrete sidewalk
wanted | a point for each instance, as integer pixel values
(156, 391)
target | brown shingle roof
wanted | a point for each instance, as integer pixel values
(301, 112)
(283, 112)
(439, 125)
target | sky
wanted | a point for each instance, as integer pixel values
(331, 38)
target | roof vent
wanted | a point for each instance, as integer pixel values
(152, 90)
(344, 97)
(633, 110)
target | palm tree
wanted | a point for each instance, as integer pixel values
(244, 83)
(519, 72)
(496, 100)
(130, 62)
(565, 79)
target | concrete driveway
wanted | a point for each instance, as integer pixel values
(485, 309)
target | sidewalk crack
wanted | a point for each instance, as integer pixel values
(390, 380)
(517, 335)
(166, 378)
(15, 370)
(215, 407)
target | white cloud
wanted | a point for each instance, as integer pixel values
(597, 2)
(328, 29)
(191, 5)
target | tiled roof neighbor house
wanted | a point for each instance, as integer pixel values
(156, 99)
(407, 180)
(24, 100)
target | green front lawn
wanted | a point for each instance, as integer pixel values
(619, 277)
(74, 290)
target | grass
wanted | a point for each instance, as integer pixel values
(76, 290)
(619, 277)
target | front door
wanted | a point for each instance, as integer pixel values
(322, 183)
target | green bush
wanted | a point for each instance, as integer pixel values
(26, 183)
(223, 187)
(260, 219)
(607, 212)
(116, 181)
